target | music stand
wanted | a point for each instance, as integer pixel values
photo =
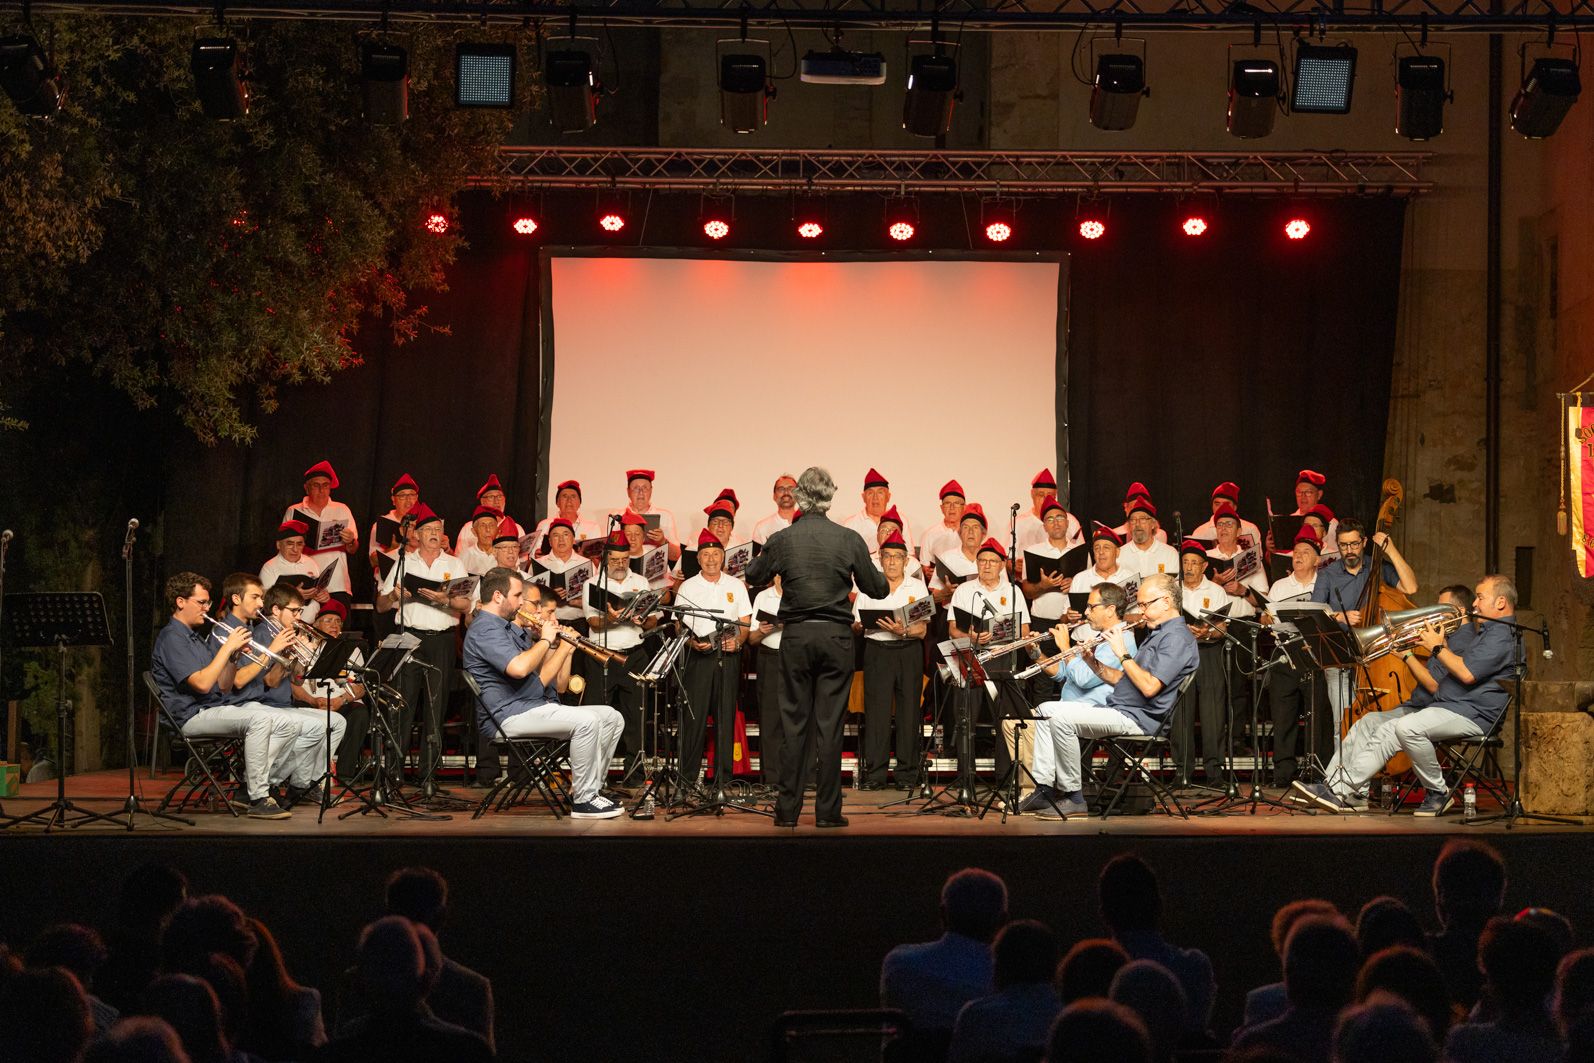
(1326, 644)
(330, 664)
(392, 654)
(59, 619)
(1012, 705)
(959, 797)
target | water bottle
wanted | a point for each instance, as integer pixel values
(1469, 803)
(647, 809)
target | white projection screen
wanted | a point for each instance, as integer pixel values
(726, 373)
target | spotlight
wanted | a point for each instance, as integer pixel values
(1115, 94)
(1297, 228)
(525, 225)
(998, 232)
(1548, 91)
(1324, 77)
(810, 230)
(217, 79)
(900, 231)
(932, 92)
(28, 77)
(1195, 225)
(745, 90)
(573, 90)
(716, 229)
(1420, 97)
(484, 75)
(437, 223)
(384, 83)
(612, 222)
(1092, 229)
(1253, 97)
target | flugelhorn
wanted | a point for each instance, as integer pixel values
(1402, 629)
(598, 652)
(251, 651)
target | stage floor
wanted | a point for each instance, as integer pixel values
(866, 810)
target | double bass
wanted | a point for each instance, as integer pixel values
(1389, 681)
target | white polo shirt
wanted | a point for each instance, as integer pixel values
(768, 601)
(1159, 558)
(869, 528)
(727, 595)
(414, 613)
(553, 564)
(935, 540)
(334, 511)
(626, 636)
(276, 568)
(957, 563)
(908, 591)
(1207, 596)
(972, 596)
(769, 526)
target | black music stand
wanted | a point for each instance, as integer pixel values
(330, 664)
(1328, 644)
(59, 619)
(391, 654)
(1012, 705)
(960, 796)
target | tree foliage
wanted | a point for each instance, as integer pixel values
(201, 265)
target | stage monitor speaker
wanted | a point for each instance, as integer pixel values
(572, 83)
(384, 83)
(932, 93)
(1420, 97)
(1253, 98)
(218, 80)
(1115, 94)
(744, 92)
(1548, 91)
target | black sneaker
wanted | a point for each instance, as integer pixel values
(266, 808)
(599, 807)
(1041, 798)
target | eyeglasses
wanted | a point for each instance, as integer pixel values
(293, 609)
(1147, 601)
(203, 603)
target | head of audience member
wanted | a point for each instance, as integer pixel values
(1320, 963)
(1158, 598)
(815, 490)
(1574, 989)
(73, 947)
(391, 966)
(138, 1039)
(1351, 538)
(1152, 992)
(974, 903)
(419, 894)
(1384, 922)
(189, 1004)
(1024, 953)
(273, 996)
(1468, 884)
(1409, 973)
(1518, 961)
(1285, 918)
(1098, 1031)
(45, 1015)
(1556, 925)
(1495, 597)
(785, 492)
(228, 981)
(203, 925)
(243, 595)
(502, 592)
(1127, 893)
(1088, 968)
(431, 958)
(188, 597)
(1384, 1030)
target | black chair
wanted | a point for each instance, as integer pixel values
(1126, 764)
(206, 763)
(1463, 760)
(872, 1034)
(534, 766)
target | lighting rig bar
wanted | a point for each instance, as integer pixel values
(1392, 16)
(901, 172)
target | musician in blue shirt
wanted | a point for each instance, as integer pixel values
(1459, 696)
(1340, 585)
(1144, 687)
(1080, 685)
(521, 671)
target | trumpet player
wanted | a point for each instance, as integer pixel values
(1458, 696)
(193, 663)
(522, 669)
(281, 613)
(1080, 685)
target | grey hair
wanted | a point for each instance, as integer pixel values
(814, 490)
(1503, 586)
(1165, 583)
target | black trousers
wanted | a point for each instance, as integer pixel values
(771, 732)
(893, 673)
(1287, 692)
(710, 691)
(426, 693)
(816, 662)
(614, 687)
(358, 718)
(1204, 698)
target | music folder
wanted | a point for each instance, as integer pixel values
(906, 615)
(322, 535)
(1285, 527)
(387, 533)
(462, 587)
(948, 578)
(1070, 564)
(765, 617)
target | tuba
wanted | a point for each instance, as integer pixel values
(1400, 629)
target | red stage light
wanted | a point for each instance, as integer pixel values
(1091, 229)
(1297, 228)
(715, 229)
(900, 230)
(525, 226)
(1194, 226)
(612, 223)
(810, 230)
(437, 223)
(998, 231)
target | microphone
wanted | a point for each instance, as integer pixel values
(1178, 518)
(1015, 508)
(132, 526)
(6, 536)
(405, 522)
(1544, 631)
(986, 608)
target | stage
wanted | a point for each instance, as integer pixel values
(683, 939)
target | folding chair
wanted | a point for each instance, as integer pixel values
(208, 761)
(534, 766)
(879, 1035)
(1126, 764)
(1475, 759)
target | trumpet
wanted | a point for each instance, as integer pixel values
(1078, 648)
(311, 641)
(597, 651)
(252, 651)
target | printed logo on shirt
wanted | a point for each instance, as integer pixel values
(730, 596)
(1004, 599)
(912, 599)
(1206, 603)
(1160, 568)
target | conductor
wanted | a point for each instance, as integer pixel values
(818, 562)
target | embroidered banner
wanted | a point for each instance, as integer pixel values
(1580, 449)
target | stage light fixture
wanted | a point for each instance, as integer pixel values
(525, 225)
(1092, 228)
(810, 230)
(571, 78)
(1253, 97)
(1115, 94)
(1420, 97)
(716, 229)
(1549, 89)
(1324, 77)
(1195, 225)
(384, 83)
(218, 78)
(484, 74)
(932, 93)
(998, 232)
(437, 223)
(745, 90)
(1297, 228)
(612, 222)
(28, 77)
(900, 231)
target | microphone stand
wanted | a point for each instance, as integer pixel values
(1514, 810)
(5, 545)
(133, 805)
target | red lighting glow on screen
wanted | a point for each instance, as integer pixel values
(612, 223)
(525, 226)
(715, 229)
(1297, 228)
(998, 231)
(1194, 226)
(437, 223)
(1091, 229)
(810, 230)
(900, 230)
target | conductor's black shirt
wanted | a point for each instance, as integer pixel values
(817, 560)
